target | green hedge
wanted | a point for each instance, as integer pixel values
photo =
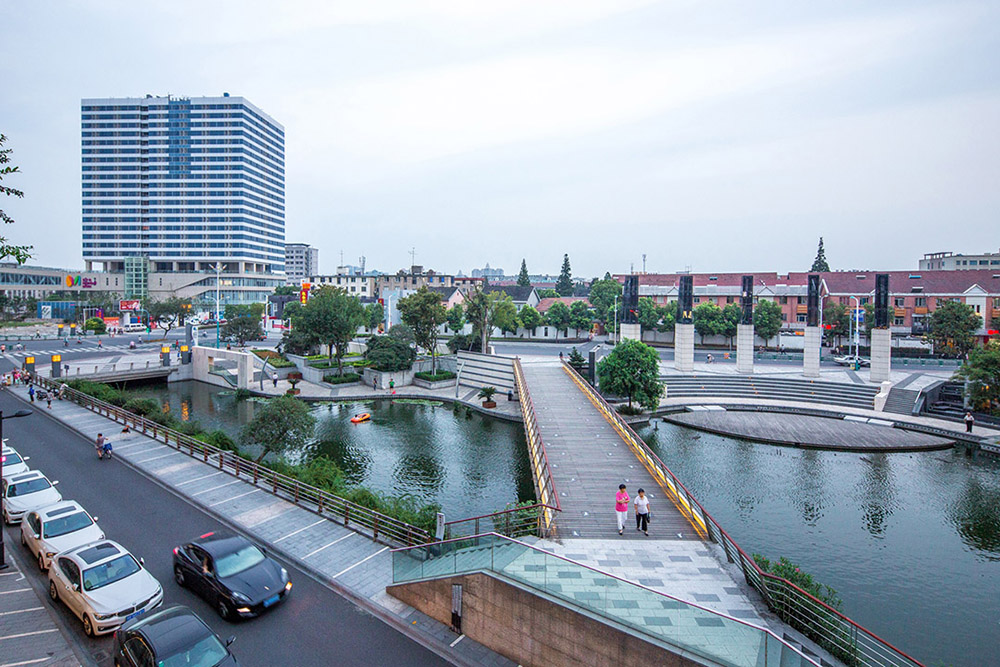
(346, 378)
(435, 377)
(274, 360)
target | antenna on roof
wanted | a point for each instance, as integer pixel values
(644, 263)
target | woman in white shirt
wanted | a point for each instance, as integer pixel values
(642, 512)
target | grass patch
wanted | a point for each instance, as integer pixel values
(274, 360)
(346, 378)
(435, 377)
(418, 401)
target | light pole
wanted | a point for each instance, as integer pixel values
(616, 319)
(857, 326)
(218, 315)
(19, 413)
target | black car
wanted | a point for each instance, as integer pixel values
(232, 573)
(171, 636)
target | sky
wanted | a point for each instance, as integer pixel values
(710, 136)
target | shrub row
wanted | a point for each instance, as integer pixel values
(435, 377)
(346, 378)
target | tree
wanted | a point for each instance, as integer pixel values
(731, 316)
(558, 317)
(982, 372)
(286, 290)
(580, 316)
(837, 317)
(669, 318)
(22, 253)
(953, 326)
(708, 320)
(522, 278)
(374, 314)
(564, 285)
(485, 310)
(242, 324)
(602, 295)
(423, 312)
(280, 424)
(170, 312)
(506, 318)
(456, 318)
(530, 318)
(649, 314)
(548, 294)
(331, 317)
(820, 263)
(403, 333)
(767, 319)
(95, 324)
(632, 369)
(390, 353)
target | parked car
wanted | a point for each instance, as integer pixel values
(27, 491)
(103, 585)
(170, 636)
(852, 360)
(13, 463)
(60, 527)
(232, 573)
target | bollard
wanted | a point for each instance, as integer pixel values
(56, 366)
(165, 356)
(29, 365)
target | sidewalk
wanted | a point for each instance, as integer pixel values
(347, 561)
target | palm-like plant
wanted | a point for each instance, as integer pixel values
(486, 393)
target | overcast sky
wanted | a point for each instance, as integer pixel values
(708, 135)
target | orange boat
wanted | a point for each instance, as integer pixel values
(363, 417)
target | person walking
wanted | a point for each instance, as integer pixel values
(48, 399)
(31, 393)
(274, 379)
(392, 385)
(969, 421)
(374, 384)
(642, 512)
(621, 507)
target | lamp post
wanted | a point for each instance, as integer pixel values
(857, 326)
(616, 319)
(218, 283)
(19, 413)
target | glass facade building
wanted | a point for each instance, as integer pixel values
(186, 183)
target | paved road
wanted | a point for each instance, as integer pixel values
(314, 627)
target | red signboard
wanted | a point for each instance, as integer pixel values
(130, 305)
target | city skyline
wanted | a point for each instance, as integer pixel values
(561, 126)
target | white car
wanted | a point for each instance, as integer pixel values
(103, 585)
(13, 463)
(56, 528)
(25, 492)
(851, 360)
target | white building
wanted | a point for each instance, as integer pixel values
(359, 286)
(301, 261)
(947, 261)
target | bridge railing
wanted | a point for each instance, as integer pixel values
(547, 496)
(846, 640)
(513, 522)
(381, 527)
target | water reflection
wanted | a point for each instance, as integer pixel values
(876, 493)
(977, 517)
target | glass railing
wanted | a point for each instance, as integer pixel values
(682, 625)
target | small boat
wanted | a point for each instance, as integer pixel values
(363, 417)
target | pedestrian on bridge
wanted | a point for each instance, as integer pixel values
(969, 421)
(642, 512)
(621, 507)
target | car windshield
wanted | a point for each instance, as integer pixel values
(31, 486)
(66, 524)
(10, 458)
(110, 572)
(238, 561)
(207, 652)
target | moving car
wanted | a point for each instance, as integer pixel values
(171, 636)
(852, 360)
(13, 463)
(232, 573)
(60, 527)
(103, 585)
(25, 492)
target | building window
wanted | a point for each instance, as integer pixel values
(898, 302)
(800, 318)
(920, 302)
(782, 299)
(800, 300)
(784, 317)
(897, 321)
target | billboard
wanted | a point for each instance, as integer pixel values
(130, 305)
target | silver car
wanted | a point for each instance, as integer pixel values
(25, 492)
(13, 462)
(60, 527)
(103, 585)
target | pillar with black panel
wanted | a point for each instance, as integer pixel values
(56, 371)
(165, 355)
(744, 330)
(185, 354)
(813, 334)
(29, 365)
(629, 327)
(881, 338)
(684, 327)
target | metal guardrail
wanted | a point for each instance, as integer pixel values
(514, 522)
(542, 475)
(383, 528)
(845, 639)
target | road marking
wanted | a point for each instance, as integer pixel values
(348, 569)
(197, 478)
(28, 634)
(313, 553)
(16, 590)
(296, 532)
(135, 444)
(162, 456)
(24, 662)
(20, 611)
(219, 502)
(460, 638)
(235, 481)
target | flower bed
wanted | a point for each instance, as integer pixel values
(346, 378)
(274, 360)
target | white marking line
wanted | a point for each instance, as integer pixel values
(134, 444)
(20, 611)
(28, 634)
(16, 590)
(460, 638)
(296, 532)
(219, 502)
(313, 553)
(24, 662)
(235, 481)
(198, 478)
(348, 569)
(155, 458)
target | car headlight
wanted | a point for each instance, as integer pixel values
(239, 597)
(284, 575)
(104, 617)
(50, 554)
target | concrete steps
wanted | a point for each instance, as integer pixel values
(901, 401)
(486, 370)
(786, 389)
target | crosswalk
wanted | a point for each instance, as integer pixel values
(80, 349)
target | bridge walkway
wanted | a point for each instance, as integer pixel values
(588, 461)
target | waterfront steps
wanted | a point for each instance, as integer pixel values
(772, 388)
(486, 370)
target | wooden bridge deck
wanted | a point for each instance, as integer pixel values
(589, 460)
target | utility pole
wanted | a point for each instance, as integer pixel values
(413, 258)
(644, 263)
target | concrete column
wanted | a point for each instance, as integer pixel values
(810, 357)
(244, 371)
(684, 347)
(881, 351)
(630, 331)
(744, 348)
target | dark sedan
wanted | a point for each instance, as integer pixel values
(232, 573)
(171, 637)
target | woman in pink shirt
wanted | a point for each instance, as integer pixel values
(621, 507)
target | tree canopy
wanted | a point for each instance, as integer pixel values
(243, 323)
(522, 277)
(580, 316)
(558, 316)
(564, 285)
(374, 314)
(530, 318)
(456, 318)
(767, 319)
(982, 372)
(390, 353)
(953, 326)
(486, 310)
(837, 317)
(649, 314)
(20, 253)
(633, 370)
(331, 317)
(820, 263)
(707, 320)
(731, 316)
(422, 311)
(169, 312)
(602, 295)
(280, 424)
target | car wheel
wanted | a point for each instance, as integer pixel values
(41, 561)
(53, 591)
(6, 519)
(179, 576)
(223, 608)
(88, 626)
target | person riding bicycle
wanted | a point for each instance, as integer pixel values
(103, 446)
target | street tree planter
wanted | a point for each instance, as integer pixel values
(294, 379)
(486, 393)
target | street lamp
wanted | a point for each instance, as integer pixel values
(856, 326)
(19, 413)
(616, 319)
(218, 283)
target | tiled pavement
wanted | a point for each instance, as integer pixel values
(349, 561)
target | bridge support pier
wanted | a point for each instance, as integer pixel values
(744, 348)
(810, 357)
(684, 347)
(881, 340)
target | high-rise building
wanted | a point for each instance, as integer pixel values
(189, 184)
(301, 261)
